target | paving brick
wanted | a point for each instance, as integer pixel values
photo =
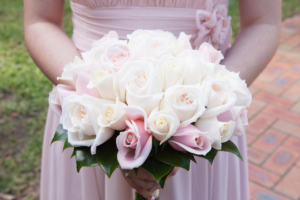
(255, 156)
(260, 193)
(272, 88)
(281, 160)
(293, 41)
(293, 93)
(287, 127)
(273, 71)
(260, 123)
(298, 163)
(250, 138)
(296, 108)
(275, 100)
(293, 143)
(255, 107)
(290, 184)
(253, 90)
(269, 141)
(285, 80)
(282, 113)
(262, 176)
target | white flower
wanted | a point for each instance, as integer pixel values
(226, 130)
(220, 97)
(186, 101)
(181, 44)
(79, 118)
(137, 85)
(139, 36)
(66, 70)
(116, 56)
(198, 68)
(236, 84)
(99, 47)
(163, 124)
(102, 80)
(171, 71)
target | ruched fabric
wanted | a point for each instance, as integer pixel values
(226, 179)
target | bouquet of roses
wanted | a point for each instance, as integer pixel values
(151, 102)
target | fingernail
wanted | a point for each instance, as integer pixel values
(151, 198)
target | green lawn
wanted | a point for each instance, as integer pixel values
(23, 99)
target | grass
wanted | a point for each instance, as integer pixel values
(23, 99)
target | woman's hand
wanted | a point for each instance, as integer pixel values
(144, 183)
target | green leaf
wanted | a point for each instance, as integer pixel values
(173, 157)
(230, 147)
(105, 157)
(163, 179)
(74, 153)
(193, 159)
(136, 171)
(60, 134)
(156, 168)
(155, 144)
(210, 156)
(127, 172)
(67, 144)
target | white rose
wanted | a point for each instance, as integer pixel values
(116, 56)
(171, 71)
(220, 97)
(198, 68)
(140, 35)
(112, 118)
(181, 44)
(137, 85)
(163, 124)
(226, 130)
(66, 75)
(186, 101)
(236, 84)
(79, 118)
(99, 47)
(211, 54)
(102, 80)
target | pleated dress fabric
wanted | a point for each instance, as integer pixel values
(226, 179)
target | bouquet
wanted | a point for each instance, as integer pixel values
(151, 102)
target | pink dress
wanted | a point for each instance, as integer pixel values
(226, 179)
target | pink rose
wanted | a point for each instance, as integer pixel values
(237, 114)
(80, 74)
(135, 143)
(56, 97)
(210, 53)
(192, 140)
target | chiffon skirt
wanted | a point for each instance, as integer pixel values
(226, 179)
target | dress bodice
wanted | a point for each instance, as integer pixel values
(193, 4)
(204, 20)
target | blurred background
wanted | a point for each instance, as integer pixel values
(274, 141)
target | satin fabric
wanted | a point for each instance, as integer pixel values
(226, 179)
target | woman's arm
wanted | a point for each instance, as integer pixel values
(49, 46)
(257, 40)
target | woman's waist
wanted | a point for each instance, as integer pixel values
(91, 24)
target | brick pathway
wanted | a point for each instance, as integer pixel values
(274, 132)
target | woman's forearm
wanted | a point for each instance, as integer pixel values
(252, 50)
(50, 48)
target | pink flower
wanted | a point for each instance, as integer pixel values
(214, 27)
(135, 143)
(210, 53)
(192, 140)
(237, 114)
(56, 97)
